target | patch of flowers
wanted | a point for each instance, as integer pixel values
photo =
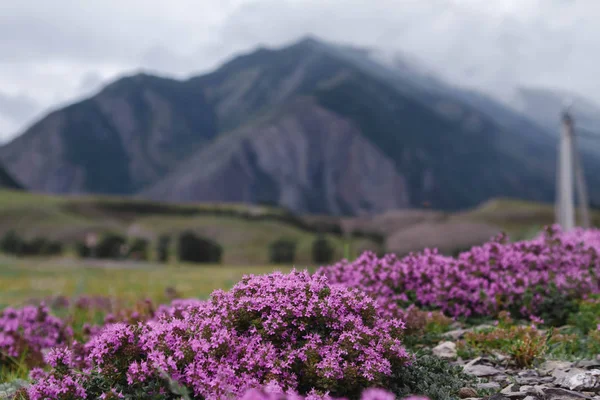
(295, 330)
(27, 331)
(523, 277)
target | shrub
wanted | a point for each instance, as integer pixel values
(110, 246)
(41, 247)
(162, 248)
(525, 345)
(11, 243)
(322, 251)
(282, 251)
(293, 329)
(432, 377)
(198, 250)
(138, 249)
(27, 332)
(528, 278)
(82, 250)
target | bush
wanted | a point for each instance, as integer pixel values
(11, 243)
(195, 249)
(138, 250)
(432, 377)
(41, 247)
(293, 329)
(543, 277)
(282, 251)
(322, 251)
(110, 246)
(162, 248)
(27, 332)
(82, 250)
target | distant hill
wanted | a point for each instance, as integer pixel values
(312, 127)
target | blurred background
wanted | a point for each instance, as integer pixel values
(155, 146)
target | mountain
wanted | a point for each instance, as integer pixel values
(449, 154)
(127, 136)
(314, 127)
(7, 181)
(545, 106)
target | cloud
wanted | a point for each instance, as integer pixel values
(55, 52)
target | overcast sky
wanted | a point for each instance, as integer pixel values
(57, 51)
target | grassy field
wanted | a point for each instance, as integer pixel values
(24, 280)
(244, 232)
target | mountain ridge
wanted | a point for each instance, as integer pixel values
(163, 138)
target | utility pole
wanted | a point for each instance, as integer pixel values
(582, 193)
(569, 167)
(565, 210)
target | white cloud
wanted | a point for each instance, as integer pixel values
(54, 52)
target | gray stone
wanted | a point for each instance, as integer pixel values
(445, 350)
(497, 396)
(488, 386)
(481, 370)
(580, 380)
(548, 367)
(528, 373)
(456, 334)
(7, 390)
(563, 394)
(515, 395)
(535, 380)
(588, 364)
(510, 388)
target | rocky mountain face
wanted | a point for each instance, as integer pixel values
(126, 137)
(303, 157)
(314, 127)
(7, 181)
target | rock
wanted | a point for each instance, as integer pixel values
(588, 364)
(548, 367)
(482, 328)
(488, 386)
(563, 394)
(510, 388)
(537, 391)
(528, 373)
(467, 392)
(497, 396)
(445, 350)
(499, 357)
(8, 390)
(515, 395)
(580, 380)
(474, 361)
(535, 380)
(480, 370)
(456, 334)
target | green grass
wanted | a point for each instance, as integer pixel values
(245, 239)
(22, 280)
(519, 218)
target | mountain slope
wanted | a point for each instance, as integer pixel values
(130, 134)
(7, 181)
(546, 106)
(287, 159)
